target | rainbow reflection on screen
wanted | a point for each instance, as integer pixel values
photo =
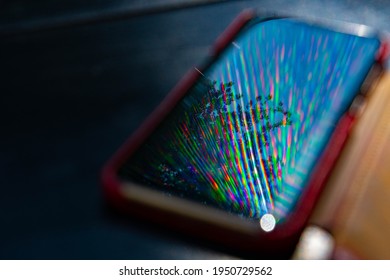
(247, 135)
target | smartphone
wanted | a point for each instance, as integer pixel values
(239, 151)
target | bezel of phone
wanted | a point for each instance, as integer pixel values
(212, 224)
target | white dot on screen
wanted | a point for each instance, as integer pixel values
(267, 222)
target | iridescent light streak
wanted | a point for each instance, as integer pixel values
(264, 188)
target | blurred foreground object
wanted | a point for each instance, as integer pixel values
(315, 244)
(355, 206)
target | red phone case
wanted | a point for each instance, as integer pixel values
(279, 243)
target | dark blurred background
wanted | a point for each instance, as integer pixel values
(77, 78)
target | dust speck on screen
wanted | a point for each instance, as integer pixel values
(249, 132)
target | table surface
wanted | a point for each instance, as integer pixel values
(76, 81)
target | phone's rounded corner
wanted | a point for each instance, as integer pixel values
(246, 15)
(110, 183)
(299, 218)
(232, 30)
(109, 174)
(108, 177)
(384, 51)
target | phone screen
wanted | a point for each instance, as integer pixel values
(247, 135)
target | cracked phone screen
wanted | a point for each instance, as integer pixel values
(246, 136)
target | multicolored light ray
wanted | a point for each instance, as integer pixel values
(247, 135)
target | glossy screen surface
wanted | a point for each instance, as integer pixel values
(247, 135)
